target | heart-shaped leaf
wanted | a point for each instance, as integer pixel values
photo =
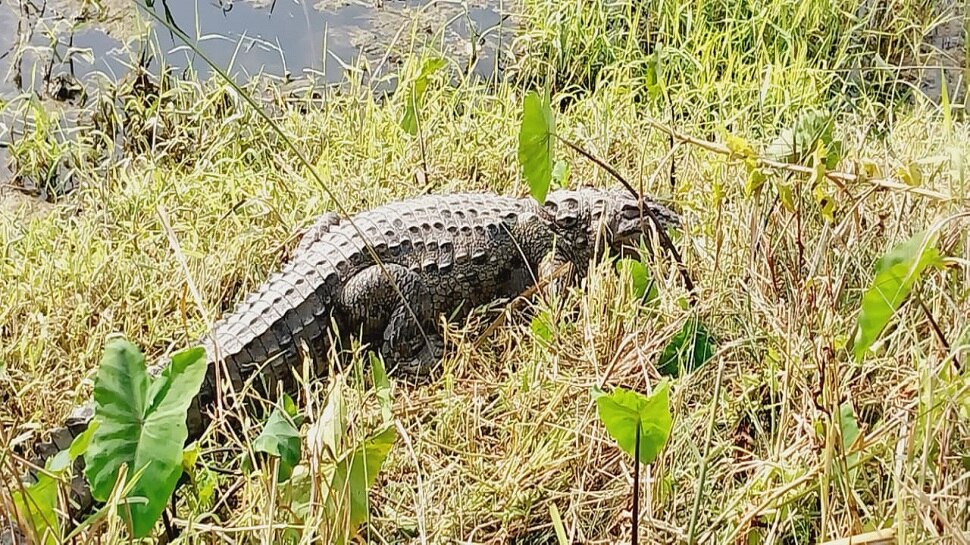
(364, 466)
(688, 350)
(536, 150)
(281, 438)
(623, 410)
(896, 273)
(37, 502)
(141, 425)
(644, 287)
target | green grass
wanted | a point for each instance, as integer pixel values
(510, 426)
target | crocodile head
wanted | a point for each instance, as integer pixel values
(587, 221)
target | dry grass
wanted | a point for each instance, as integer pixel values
(509, 426)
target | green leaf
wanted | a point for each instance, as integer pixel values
(623, 410)
(896, 273)
(80, 444)
(190, 455)
(37, 502)
(36, 505)
(329, 429)
(688, 350)
(795, 144)
(541, 326)
(347, 490)
(911, 174)
(739, 146)
(141, 425)
(560, 173)
(756, 179)
(536, 151)
(382, 387)
(785, 194)
(280, 437)
(365, 465)
(418, 87)
(296, 492)
(850, 431)
(644, 287)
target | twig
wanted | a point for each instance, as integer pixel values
(938, 332)
(840, 178)
(661, 233)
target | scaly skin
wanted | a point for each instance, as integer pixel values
(447, 255)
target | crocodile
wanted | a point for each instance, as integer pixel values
(388, 275)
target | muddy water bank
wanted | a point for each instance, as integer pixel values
(323, 39)
(61, 53)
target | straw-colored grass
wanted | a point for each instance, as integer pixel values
(509, 428)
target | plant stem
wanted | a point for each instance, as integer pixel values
(715, 402)
(636, 486)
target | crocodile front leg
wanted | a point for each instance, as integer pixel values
(410, 343)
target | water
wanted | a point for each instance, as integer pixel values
(54, 48)
(277, 37)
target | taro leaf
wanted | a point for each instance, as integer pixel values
(410, 120)
(688, 350)
(644, 287)
(795, 144)
(896, 273)
(364, 468)
(37, 502)
(542, 328)
(297, 491)
(623, 410)
(536, 150)
(382, 387)
(329, 429)
(280, 437)
(358, 472)
(141, 425)
(560, 173)
(850, 431)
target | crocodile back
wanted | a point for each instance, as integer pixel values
(463, 246)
